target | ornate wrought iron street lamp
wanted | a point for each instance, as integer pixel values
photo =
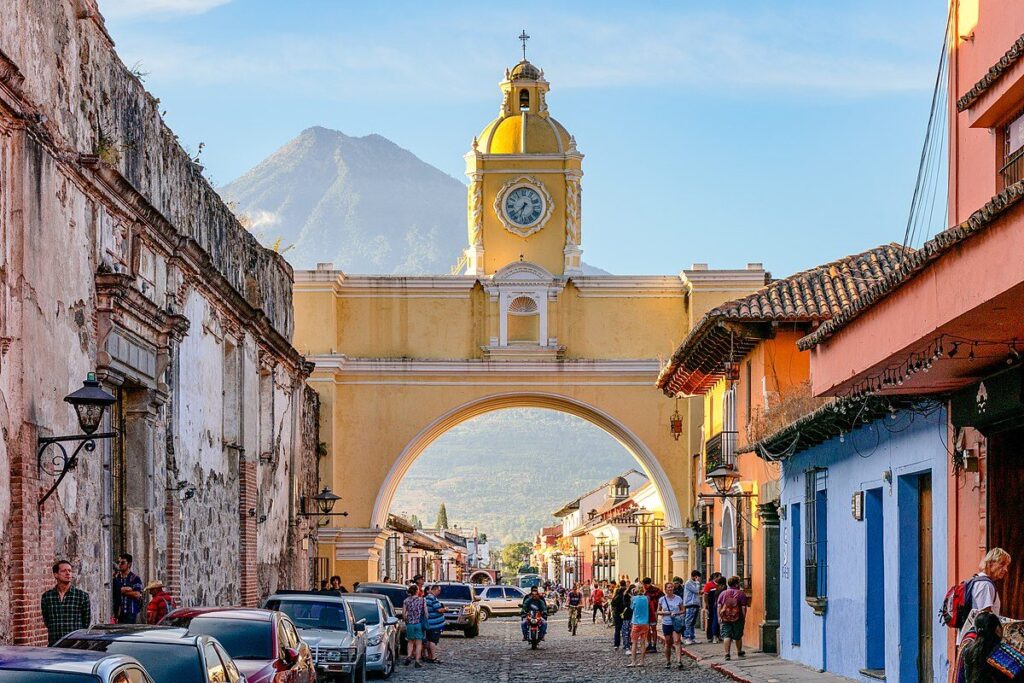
(675, 422)
(324, 501)
(90, 403)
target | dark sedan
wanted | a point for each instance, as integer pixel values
(50, 665)
(264, 644)
(168, 654)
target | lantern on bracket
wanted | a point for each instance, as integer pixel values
(675, 422)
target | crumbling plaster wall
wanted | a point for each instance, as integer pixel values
(74, 125)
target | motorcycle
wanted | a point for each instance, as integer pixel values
(533, 622)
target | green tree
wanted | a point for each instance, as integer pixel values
(483, 538)
(515, 556)
(442, 517)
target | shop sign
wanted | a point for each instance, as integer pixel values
(995, 403)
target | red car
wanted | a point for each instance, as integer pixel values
(263, 643)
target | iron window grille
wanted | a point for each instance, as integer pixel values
(815, 533)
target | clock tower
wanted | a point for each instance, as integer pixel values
(524, 191)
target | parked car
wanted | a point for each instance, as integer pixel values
(463, 613)
(382, 632)
(499, 601)
(264, 644)
(326, 623)
(396, 594)
(170, 655)
(47, 664)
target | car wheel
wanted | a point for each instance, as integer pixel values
(485, 614)
(389, 664)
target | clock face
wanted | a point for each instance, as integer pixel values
(524, 206)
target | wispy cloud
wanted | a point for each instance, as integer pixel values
(155, 9)
(713, 50)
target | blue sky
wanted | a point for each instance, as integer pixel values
(784, 132)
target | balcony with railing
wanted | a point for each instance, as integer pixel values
(719, 451)
(1013, 169)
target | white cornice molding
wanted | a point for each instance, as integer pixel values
(342, 364)
(737, 280)
(382, 286)
(626, 286)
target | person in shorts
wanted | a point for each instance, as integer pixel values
(732, 614)
(414, 613)
(671, 611)
(641, 627)
(435, 623)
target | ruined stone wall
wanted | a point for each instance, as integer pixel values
(117, 256)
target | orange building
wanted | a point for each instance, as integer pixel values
(742, 357)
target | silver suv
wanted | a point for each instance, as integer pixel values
(463, 614)
(497, 601)
(327, 624)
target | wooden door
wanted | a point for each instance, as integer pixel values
(924, 579)
(1005, 510)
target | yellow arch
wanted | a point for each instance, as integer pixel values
(640, 452)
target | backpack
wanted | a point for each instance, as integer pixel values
(730, 610)
(958, 602)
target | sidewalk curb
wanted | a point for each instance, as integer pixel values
(720, 668)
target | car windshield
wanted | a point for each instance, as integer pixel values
(170, 661)
(365, 610)
(396, 594)
(312, 614)
(242, 638)
(455, 592)
(45, 676)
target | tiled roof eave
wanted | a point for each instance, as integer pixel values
(992, 76)
(917, 261)
(822, 424)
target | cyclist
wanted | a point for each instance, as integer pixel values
(574, 600)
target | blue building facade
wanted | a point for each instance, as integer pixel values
(863, 550)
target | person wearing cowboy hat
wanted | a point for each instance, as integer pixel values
(160, 602)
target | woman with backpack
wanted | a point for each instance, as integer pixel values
(732, 612)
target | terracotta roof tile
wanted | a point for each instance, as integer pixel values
(893, 274)
(812, 296)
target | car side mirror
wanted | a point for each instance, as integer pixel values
(361, 626)
(391, 621)
(476, 598)
(291, 655)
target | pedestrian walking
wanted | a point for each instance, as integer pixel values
(435, 623)
(618, 604)
(627, 618)
(335, 586)
(984, 597)
(641, 626)
(732, 614)
(653, 594)
(127, 592)
(671, 611)
(586, 595)
(714, 627)
(691, 606)
(419, 581)
(64, 607)
(598, 601)
(160, 602)
(414, 613)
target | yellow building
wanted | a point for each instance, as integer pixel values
(400, 360)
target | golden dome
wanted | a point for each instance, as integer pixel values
(544, 135)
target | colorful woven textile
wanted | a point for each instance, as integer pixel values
(1008, 660)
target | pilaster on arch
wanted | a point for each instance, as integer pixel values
(619, 431)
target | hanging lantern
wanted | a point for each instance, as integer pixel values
(675, 423)
(732, 370)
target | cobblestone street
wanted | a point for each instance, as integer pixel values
(499, 654)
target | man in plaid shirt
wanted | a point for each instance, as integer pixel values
(65, 608)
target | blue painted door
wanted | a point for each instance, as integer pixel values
(796, 571)
(874, 589)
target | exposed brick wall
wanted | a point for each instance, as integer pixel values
(247, 500)
(172, 579)
(31, 546)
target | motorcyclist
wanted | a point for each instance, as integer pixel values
(531, 602)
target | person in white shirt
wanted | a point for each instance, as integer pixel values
(984, 598)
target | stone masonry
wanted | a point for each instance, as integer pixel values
(117, 256)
